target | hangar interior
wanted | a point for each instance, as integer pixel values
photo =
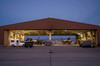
(81, 35)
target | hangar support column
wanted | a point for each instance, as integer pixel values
(50, 36)
(1, 37)
(98, 34)
(6, 37)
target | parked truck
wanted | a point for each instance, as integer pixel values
(16, 42)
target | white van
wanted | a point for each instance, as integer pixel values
(16, 42)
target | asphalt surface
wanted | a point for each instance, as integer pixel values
(40, 56)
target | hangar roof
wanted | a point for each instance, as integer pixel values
(50, 23)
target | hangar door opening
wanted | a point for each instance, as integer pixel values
(80, 36)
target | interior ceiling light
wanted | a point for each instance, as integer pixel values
(78, 33)
(65, 30)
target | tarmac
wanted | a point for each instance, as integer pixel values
(49, 56)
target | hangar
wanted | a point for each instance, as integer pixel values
(50, 27)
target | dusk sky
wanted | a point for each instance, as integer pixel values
(16, 11)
